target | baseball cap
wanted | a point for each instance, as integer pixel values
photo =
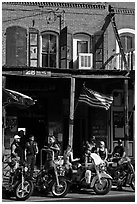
(16, 137)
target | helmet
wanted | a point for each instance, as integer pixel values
(16, 137)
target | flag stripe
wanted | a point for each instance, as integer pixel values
(95, 99)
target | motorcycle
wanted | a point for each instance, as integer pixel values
(51, 179)
(19, 184)
(90, 176)
(122, 172)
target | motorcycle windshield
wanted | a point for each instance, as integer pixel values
(97, 159)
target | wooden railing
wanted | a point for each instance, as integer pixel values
(130, 57)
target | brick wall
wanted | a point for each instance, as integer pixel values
(78, 18)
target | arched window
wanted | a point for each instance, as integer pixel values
(81, 44)
(127, 37)
(49, 49)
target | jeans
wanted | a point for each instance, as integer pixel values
(31, 160)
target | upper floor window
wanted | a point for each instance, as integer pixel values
(81, 44)
(127, 37)
(49, 50)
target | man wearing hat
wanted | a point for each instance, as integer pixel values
(31, 150)
(16, 150)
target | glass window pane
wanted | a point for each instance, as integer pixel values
(129, 42)
(49, 50)
(44, 60)
(33, 63)
(52, 60)
(33, 52)
(33, 39)
(82, 47)
(45, 44)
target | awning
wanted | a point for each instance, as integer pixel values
(14, 98)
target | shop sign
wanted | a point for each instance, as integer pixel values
(38, 73)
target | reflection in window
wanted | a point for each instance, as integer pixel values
(49, 50)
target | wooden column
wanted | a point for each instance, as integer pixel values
(3, 117)
(126, 125)
(71, 116)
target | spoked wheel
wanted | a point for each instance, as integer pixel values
(133, 183)
(61, 190)
(24, 190)
(103, 187)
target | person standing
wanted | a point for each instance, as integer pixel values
(16, 151)
(22, 142)
(31, 150)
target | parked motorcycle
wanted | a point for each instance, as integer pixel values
(122, 172)
(20, 184)
(100, 181)
(51, 179)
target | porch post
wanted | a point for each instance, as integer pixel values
(71, 116)
(126, 125)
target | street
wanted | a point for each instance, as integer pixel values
(126, 195)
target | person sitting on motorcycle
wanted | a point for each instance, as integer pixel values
(68, 159)
(53, 151)
(16, 152)
(102, 151)
(119, 150)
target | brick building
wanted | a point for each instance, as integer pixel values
(49, 49)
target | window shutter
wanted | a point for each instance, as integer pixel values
(33, 47)
(98, 48)
(16, 46)
(65, 47)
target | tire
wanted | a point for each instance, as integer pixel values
(60, 191)
(104, 188)
(25, 193)
(133, 182)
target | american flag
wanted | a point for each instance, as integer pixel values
(95, 99)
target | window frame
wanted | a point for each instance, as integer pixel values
(121, 32)
(83, 37)
(57, 46)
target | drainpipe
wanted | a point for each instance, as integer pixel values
(71, 116)
(126, 125)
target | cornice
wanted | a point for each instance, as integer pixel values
(80, 5)
(61, 4)
(125, 11)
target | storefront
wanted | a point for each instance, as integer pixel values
(57, 110)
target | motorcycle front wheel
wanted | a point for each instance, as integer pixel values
(133, 182)
(103, 187)
(24, 190)
(61, 190)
